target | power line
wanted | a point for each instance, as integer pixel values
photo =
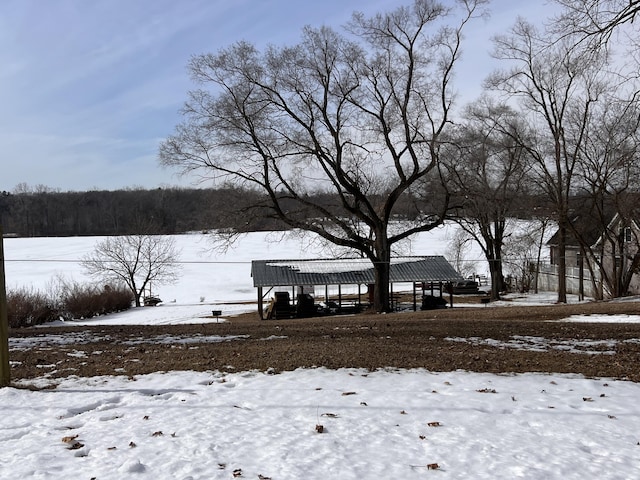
(226, 262)
(48, 260)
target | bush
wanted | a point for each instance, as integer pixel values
(26, 308)
(70, 300)
(116, 299)
(86, 301)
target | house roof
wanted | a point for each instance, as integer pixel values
(587, 227)
(592, 230)
(350, 271)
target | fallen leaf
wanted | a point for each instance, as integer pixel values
(587, 399)
(69, 439)
(157, 434)
(434, 424)
(486, 390)
(433, 466)
(262, 477)
(132, 445)
(319, 428)
(237, 472)
(330, 415)
(76, 446)
(348, 393)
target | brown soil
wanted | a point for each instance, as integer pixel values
(371, 341)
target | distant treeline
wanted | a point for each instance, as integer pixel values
(43, 212)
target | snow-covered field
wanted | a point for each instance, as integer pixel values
(395, 424)
(210, 279)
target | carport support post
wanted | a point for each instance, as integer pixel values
(5, 374)
(449, 287)
(415, 306)
(260, 299)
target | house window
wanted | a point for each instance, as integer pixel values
(627, 234)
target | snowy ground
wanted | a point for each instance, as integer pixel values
(376, 425)
(400, 424)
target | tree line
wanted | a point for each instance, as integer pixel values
(41, 211)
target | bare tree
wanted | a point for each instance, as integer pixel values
(489, 176)
(557, 85)
(458, 249)
(522, 254)
(608, 176)
(135, 260)
(359, 114)
(595, 20)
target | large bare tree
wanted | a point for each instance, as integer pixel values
(557, 85)
(609, 182)
(489, 175)
(358, 114)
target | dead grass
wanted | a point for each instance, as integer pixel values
(370, 341)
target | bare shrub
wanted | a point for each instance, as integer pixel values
(27, 307)
(116, 299)
(86, 301)
(65, 300)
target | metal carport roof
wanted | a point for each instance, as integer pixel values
(350, 271)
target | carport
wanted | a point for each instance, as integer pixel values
(423, 272)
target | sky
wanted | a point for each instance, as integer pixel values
(89, 89)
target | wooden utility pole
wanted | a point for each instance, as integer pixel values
(5, 375)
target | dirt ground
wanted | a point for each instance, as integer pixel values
(479, 339)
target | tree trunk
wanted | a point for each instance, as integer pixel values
(134, 289)
(562, 261)
(382, 270)
(497, 279)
